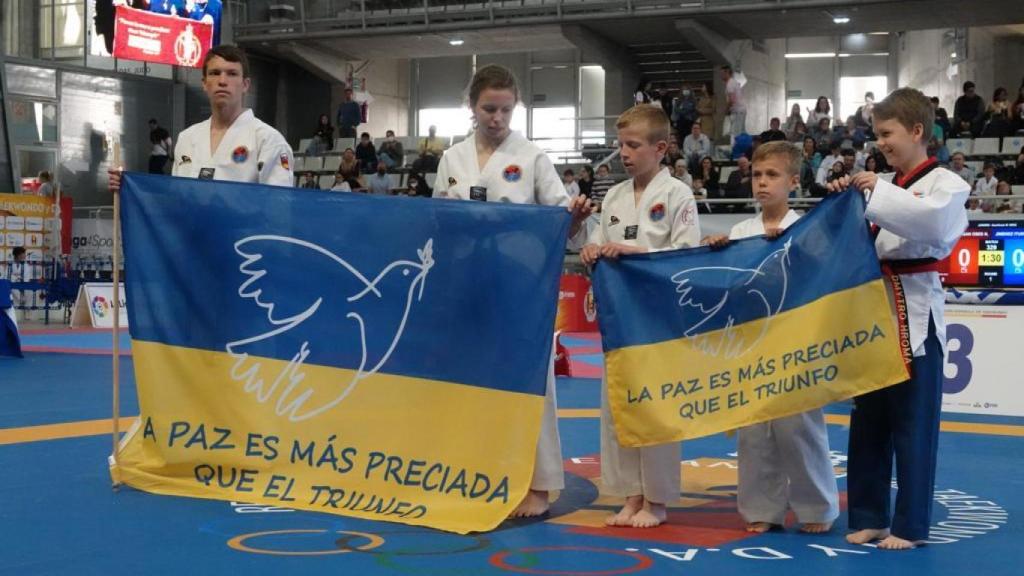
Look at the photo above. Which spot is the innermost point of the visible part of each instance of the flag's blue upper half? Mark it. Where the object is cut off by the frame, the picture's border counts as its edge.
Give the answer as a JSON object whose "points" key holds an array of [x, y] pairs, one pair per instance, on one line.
{"points": [[455, 291], [751, 279]]}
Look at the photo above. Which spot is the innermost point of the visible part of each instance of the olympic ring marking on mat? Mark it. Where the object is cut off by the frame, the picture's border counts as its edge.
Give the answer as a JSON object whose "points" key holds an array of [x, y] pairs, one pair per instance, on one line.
{"points": [[238, 543], [498, 561], [480, 543]]}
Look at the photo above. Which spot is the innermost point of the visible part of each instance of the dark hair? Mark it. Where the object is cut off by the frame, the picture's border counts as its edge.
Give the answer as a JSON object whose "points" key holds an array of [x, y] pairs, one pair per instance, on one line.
{"points": [[848, 152], [492, 77], [364, 135], [1000, 90], [588, 169], [153, 121], [568, 171], [230, 53], [968, 85], [726, 68], [391, 132], [828, 107], [18, 251], [935, 99]]}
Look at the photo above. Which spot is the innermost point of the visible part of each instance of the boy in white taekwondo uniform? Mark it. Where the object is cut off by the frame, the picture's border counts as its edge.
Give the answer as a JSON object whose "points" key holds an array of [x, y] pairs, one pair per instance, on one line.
{"points": [[785, 462], [918, 215], [651, 211], [496, 164], [232, 144]]}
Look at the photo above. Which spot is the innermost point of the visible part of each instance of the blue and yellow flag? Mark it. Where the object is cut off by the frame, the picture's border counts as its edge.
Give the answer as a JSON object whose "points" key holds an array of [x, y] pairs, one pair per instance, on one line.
{"points": [[379, 357], [703, 341]]}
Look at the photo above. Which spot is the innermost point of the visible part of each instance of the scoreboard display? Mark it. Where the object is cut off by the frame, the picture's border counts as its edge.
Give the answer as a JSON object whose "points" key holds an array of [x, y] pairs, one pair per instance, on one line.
{"points": [[989, 254]]}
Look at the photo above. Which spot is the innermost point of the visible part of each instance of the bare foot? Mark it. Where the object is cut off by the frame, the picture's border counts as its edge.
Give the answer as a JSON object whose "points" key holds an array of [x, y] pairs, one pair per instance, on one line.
{"points": [[652, 515], [534, 503], [868, 535], [896, 543], [816, 527], [759, 527], [625, 516]]}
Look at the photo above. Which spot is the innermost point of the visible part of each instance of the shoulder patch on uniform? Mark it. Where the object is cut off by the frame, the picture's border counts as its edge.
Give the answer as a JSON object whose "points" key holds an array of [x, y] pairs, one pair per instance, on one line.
{"points": [[286, 163]]}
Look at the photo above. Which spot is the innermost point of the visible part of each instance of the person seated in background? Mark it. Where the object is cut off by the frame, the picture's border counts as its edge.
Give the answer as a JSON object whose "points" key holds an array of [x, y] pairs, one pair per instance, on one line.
{"points": [[348, 169], [850, 166], [323, 137], [795, 117], [602, 183], [1018, 169], [957, 166], [941, 119], [585, 181], [680, 172], [862, 117], [340, 184], [709, 177], [986, 185], [821, 178], [799, 133], [696, 145], [870, 164], [967, 112], [671, 155], [773, 133], [416, 185], [366, 154], [572, 188], [430, 150], [739, 186], [701, 193], [974, 206], [996, 122], [379, 182], [309, 181], [391, 152], [1002, 206], [822, 134], [938, 150]]}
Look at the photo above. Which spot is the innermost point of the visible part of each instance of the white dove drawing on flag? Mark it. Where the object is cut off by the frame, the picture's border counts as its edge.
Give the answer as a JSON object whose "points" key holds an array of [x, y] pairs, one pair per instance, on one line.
{"points": [[401, 282], [761, 288]]}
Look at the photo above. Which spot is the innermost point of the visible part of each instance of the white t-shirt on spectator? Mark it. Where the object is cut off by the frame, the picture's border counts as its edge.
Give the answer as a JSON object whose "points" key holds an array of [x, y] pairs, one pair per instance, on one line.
{"points": [[734, 91]]}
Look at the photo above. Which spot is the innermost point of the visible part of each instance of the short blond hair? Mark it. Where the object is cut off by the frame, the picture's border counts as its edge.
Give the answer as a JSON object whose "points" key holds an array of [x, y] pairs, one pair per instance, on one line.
{"points": [[653, 117], [793, 156]]}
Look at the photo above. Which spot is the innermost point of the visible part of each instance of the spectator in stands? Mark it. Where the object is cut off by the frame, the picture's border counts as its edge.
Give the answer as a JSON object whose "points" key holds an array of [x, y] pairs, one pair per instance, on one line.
{"points": [[666, 100], [938, 150], [701, 193], [348, 169], [586, 180], [850, 167], [417, 186], [811, 154], [968, 112], [958, 167], [822, 134], [350, 115], [1017, 111], [822, 109], [642, 94], [739, 186], [45, 184], [821, 178], [997, 115], [709, 175], [160, 139], [706, 109], [684, 112], [569, 180], [794, 117], [837, 171], [366, 154], [1018, 170], [602, 183], [941, 119], [735, 105], [852, 132], [809, 166], [340, 184], [974, 206], [430, 150], [391, 152], [324, 135], [696, 145], [1003, 189], [986, 185], [870, 164], [309, 181], [862, 117], [380, 182], [681, 173], [672, 154], [773, 133], [799, 133]]}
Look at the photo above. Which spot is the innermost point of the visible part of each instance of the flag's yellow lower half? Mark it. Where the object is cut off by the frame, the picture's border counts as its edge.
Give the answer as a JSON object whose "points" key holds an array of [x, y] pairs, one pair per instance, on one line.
{"points": [[839, 346], [396, 448]]}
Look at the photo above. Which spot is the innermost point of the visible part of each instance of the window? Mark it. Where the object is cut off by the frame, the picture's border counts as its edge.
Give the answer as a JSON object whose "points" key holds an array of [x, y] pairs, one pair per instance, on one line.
{"points": [[459, 121], [62, 28], [554, 131], [853, 88]]}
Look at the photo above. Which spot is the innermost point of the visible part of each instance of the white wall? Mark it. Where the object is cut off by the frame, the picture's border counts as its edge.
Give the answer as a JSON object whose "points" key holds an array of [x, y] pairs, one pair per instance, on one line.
{"points": [[388, 82], [924, 58], [765, 91]]}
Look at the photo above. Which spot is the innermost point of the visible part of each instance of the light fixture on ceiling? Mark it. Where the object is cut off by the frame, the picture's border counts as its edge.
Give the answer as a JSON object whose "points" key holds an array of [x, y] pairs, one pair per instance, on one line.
{"points": [[841, 19], [953, 55], [456, 41]]}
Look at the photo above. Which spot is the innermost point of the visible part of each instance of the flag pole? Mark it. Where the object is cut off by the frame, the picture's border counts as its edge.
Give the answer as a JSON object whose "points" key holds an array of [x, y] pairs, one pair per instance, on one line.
{"points": [[116, 277]]}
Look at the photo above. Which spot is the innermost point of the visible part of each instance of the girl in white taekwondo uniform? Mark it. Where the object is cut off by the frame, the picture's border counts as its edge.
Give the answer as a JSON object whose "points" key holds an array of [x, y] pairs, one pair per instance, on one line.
{"points": [[649, 212], [495, 164], [232, 144], [784, 463]]}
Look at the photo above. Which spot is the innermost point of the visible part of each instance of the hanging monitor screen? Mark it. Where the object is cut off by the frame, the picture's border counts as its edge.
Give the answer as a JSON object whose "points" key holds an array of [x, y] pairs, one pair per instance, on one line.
{"points": [[176, 32], [989, 254]]}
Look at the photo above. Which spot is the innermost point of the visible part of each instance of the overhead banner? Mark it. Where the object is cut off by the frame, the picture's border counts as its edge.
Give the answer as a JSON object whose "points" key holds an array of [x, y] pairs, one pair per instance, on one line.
{"points": [[378, 357], [703, 341], [162, 38]]}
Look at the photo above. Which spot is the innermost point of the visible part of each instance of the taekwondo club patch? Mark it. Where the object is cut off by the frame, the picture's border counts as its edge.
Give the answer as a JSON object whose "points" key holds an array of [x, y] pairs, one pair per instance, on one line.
{"points": [[657, 212], [240, 155], [512, 173], [285, 162]]}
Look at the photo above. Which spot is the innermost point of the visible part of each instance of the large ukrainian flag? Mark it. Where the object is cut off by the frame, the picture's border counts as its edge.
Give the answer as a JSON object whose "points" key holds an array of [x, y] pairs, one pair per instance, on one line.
{"points": [[702, 341], [369, 356]]}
